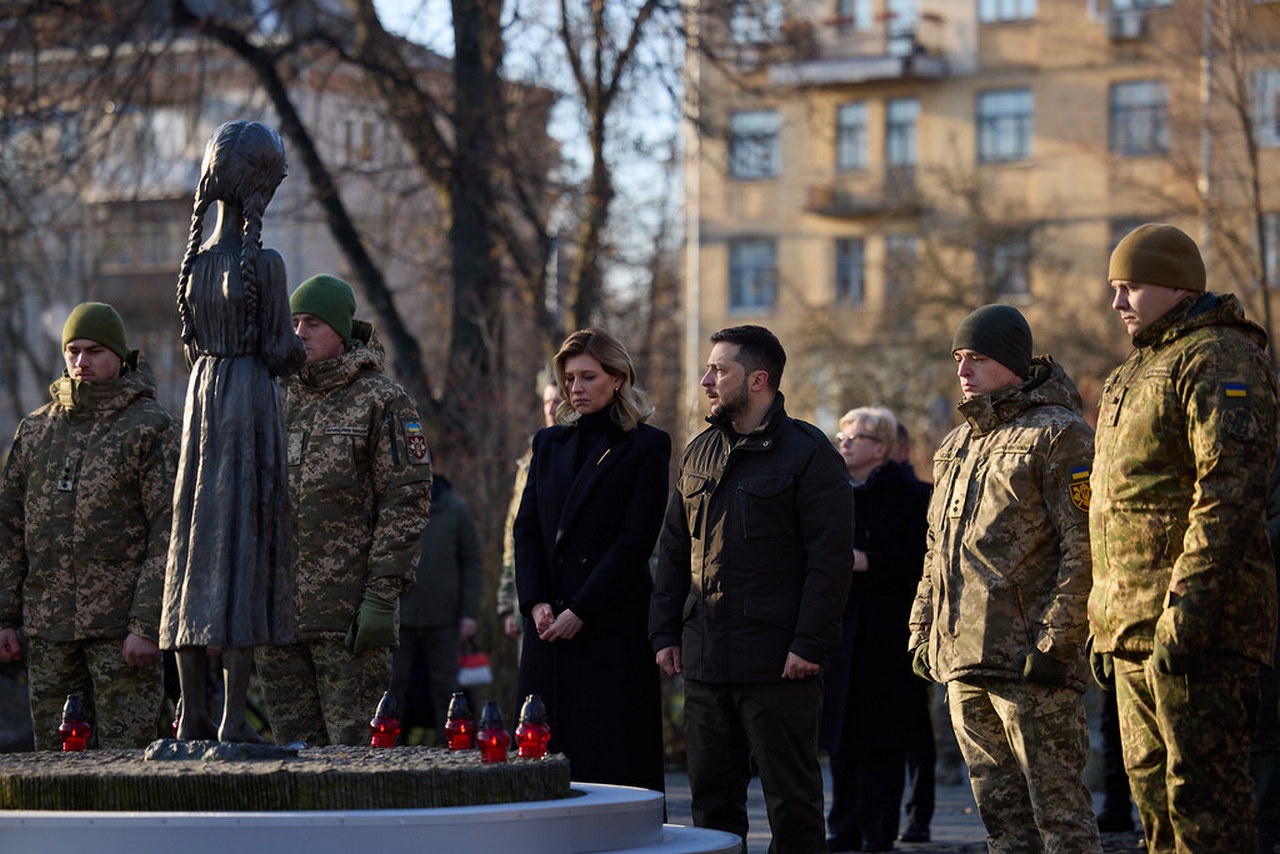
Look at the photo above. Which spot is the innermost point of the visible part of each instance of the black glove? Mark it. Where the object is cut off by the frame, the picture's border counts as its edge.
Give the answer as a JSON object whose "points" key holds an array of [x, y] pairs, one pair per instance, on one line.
{"points": [[374, 624], [1041, 668], [920, 661], [1170, 664]]}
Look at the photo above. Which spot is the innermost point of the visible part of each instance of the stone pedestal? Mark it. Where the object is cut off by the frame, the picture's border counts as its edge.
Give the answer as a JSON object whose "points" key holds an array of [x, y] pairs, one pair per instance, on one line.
{"points": [[323, 778]]}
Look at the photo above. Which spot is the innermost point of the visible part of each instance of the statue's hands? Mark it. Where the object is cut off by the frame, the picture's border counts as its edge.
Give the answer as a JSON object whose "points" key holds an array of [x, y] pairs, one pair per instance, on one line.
{"points": [[373, 625]]}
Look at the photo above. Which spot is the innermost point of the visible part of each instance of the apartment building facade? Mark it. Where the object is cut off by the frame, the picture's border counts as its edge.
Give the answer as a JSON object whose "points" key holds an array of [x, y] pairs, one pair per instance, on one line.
{"points": [[862, 173]]}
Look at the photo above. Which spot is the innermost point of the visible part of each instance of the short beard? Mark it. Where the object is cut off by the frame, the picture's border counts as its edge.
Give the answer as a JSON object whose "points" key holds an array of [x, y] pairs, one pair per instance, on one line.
{"points": [[730, 410]]}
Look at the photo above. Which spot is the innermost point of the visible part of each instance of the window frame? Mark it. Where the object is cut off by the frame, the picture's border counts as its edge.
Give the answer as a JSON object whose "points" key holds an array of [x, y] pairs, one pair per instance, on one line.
{"points": [[1266, 107], [755, 154], [901, 137], [850, 282], [1005, 120], [1006, 11], [753, 281], [1008, 259], [852, 138], [1138, 127]]}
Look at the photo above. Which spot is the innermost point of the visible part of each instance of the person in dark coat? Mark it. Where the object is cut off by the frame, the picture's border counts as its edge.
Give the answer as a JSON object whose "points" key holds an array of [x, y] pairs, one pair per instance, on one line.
{"points": [[871, 696], [752, 574], [588, 520], [437, 614]]}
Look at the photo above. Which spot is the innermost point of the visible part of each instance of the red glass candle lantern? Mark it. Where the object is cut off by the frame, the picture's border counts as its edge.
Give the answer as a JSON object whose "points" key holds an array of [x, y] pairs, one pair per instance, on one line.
{"points": [[384, 728], [459, 726], [533, 733], [74, 729], [492, 738]]}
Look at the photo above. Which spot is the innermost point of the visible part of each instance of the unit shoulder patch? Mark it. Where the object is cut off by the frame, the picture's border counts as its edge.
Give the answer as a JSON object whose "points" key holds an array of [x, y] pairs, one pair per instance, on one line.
{"points": [[416, 443], [1238, 421], [1078, 488]]}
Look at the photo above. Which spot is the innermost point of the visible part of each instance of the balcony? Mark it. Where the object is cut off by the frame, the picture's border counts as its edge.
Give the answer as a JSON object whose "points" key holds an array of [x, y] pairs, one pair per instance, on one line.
{"points": [[887, 51], [860, 197]]}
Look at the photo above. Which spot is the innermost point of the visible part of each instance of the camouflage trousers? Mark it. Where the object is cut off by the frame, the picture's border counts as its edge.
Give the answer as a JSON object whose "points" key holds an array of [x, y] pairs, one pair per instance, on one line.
{"points": [[1186, 750], [122, 702], [1026, 747], [320, 692]]}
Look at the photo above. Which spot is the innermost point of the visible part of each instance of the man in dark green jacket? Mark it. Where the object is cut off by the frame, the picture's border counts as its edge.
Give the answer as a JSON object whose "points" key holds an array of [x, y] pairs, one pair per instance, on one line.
{"points": [[1183, 607], [754, 565]]}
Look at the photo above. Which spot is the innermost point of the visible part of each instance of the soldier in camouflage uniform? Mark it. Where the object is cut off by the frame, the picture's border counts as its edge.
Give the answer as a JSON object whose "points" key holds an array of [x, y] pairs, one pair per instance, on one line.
{"points": [[1183, 607], [999, 615], [360, 480], [85, 509]]}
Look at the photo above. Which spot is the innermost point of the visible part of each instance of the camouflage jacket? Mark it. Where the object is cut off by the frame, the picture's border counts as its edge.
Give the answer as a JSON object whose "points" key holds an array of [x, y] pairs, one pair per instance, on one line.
{"points": [[1007, 566], [507, 599], [85, 511], [1186, 441], [360, 480]]}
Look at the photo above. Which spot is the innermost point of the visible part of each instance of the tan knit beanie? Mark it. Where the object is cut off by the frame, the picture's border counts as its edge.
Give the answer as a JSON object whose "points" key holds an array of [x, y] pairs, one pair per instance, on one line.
{"points": [[1158, 254]]}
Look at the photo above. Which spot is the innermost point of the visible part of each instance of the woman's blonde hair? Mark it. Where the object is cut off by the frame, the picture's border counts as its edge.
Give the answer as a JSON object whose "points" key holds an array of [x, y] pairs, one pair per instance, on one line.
{"points": [[630, 405], [878, 421]]}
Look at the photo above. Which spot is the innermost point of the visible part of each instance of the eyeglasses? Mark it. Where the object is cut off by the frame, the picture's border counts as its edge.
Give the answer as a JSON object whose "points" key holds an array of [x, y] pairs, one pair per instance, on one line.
{"points": [[841, 438]]}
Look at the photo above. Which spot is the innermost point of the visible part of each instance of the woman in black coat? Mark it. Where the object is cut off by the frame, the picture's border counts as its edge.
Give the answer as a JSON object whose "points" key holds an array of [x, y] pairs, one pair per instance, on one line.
{"points": [[871, 695], [587, 524]]}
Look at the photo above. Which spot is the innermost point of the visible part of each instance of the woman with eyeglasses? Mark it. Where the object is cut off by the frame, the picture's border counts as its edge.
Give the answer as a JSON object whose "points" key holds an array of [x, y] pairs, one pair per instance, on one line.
{"points": [[871, 696]]}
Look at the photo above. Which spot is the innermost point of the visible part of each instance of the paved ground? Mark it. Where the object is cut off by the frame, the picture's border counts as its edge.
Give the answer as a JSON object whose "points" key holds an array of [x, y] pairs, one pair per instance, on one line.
{"points": [[956, 828]]}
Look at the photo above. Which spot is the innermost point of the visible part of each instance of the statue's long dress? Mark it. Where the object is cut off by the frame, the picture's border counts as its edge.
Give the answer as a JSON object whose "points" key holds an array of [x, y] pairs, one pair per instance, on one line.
{"points": [[229, 579]]}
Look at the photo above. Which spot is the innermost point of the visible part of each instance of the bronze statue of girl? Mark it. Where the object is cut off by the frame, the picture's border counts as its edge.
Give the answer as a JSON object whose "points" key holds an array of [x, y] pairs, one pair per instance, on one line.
{"points": [[229, 577]]}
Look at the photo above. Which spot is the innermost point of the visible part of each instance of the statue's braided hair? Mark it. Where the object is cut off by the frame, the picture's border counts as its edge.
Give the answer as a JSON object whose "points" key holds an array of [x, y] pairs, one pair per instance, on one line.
{"points": [[244, 162]]}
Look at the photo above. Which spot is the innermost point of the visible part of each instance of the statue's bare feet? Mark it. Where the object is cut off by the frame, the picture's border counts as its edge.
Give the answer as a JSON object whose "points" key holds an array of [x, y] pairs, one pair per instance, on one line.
{"points": [[240, 733], [196, 728]]}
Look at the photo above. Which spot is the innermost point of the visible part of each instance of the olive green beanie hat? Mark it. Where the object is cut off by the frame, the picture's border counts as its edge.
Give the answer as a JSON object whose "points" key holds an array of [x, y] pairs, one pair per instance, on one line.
{"points": [[1158, 254], [99, 322], [328, 298], [998, 332]]}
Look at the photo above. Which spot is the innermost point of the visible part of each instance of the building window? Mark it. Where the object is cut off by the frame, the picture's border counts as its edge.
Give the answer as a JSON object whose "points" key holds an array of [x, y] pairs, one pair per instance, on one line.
{"points": [[1271, 251], [999, 11], [900, 131], [1139, 117], [138, 240], [358, 140], [850, 271], [753, 275], [1266, 107], [903, 18], [1119, 227], [1008, 263], [1004, 125], [853, 15], [754, 146], [899, 264], [851, 137], [753, 22]]}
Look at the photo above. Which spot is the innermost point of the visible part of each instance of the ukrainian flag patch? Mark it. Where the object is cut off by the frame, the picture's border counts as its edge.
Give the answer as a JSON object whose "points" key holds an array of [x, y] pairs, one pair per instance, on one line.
{"points": [[1235, 390]]}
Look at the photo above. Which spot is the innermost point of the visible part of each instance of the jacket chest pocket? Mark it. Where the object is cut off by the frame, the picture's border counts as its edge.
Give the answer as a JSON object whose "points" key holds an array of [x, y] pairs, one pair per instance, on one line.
{"points": [[950, 491], [338, 451], [694, 490], [766, 506]]}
